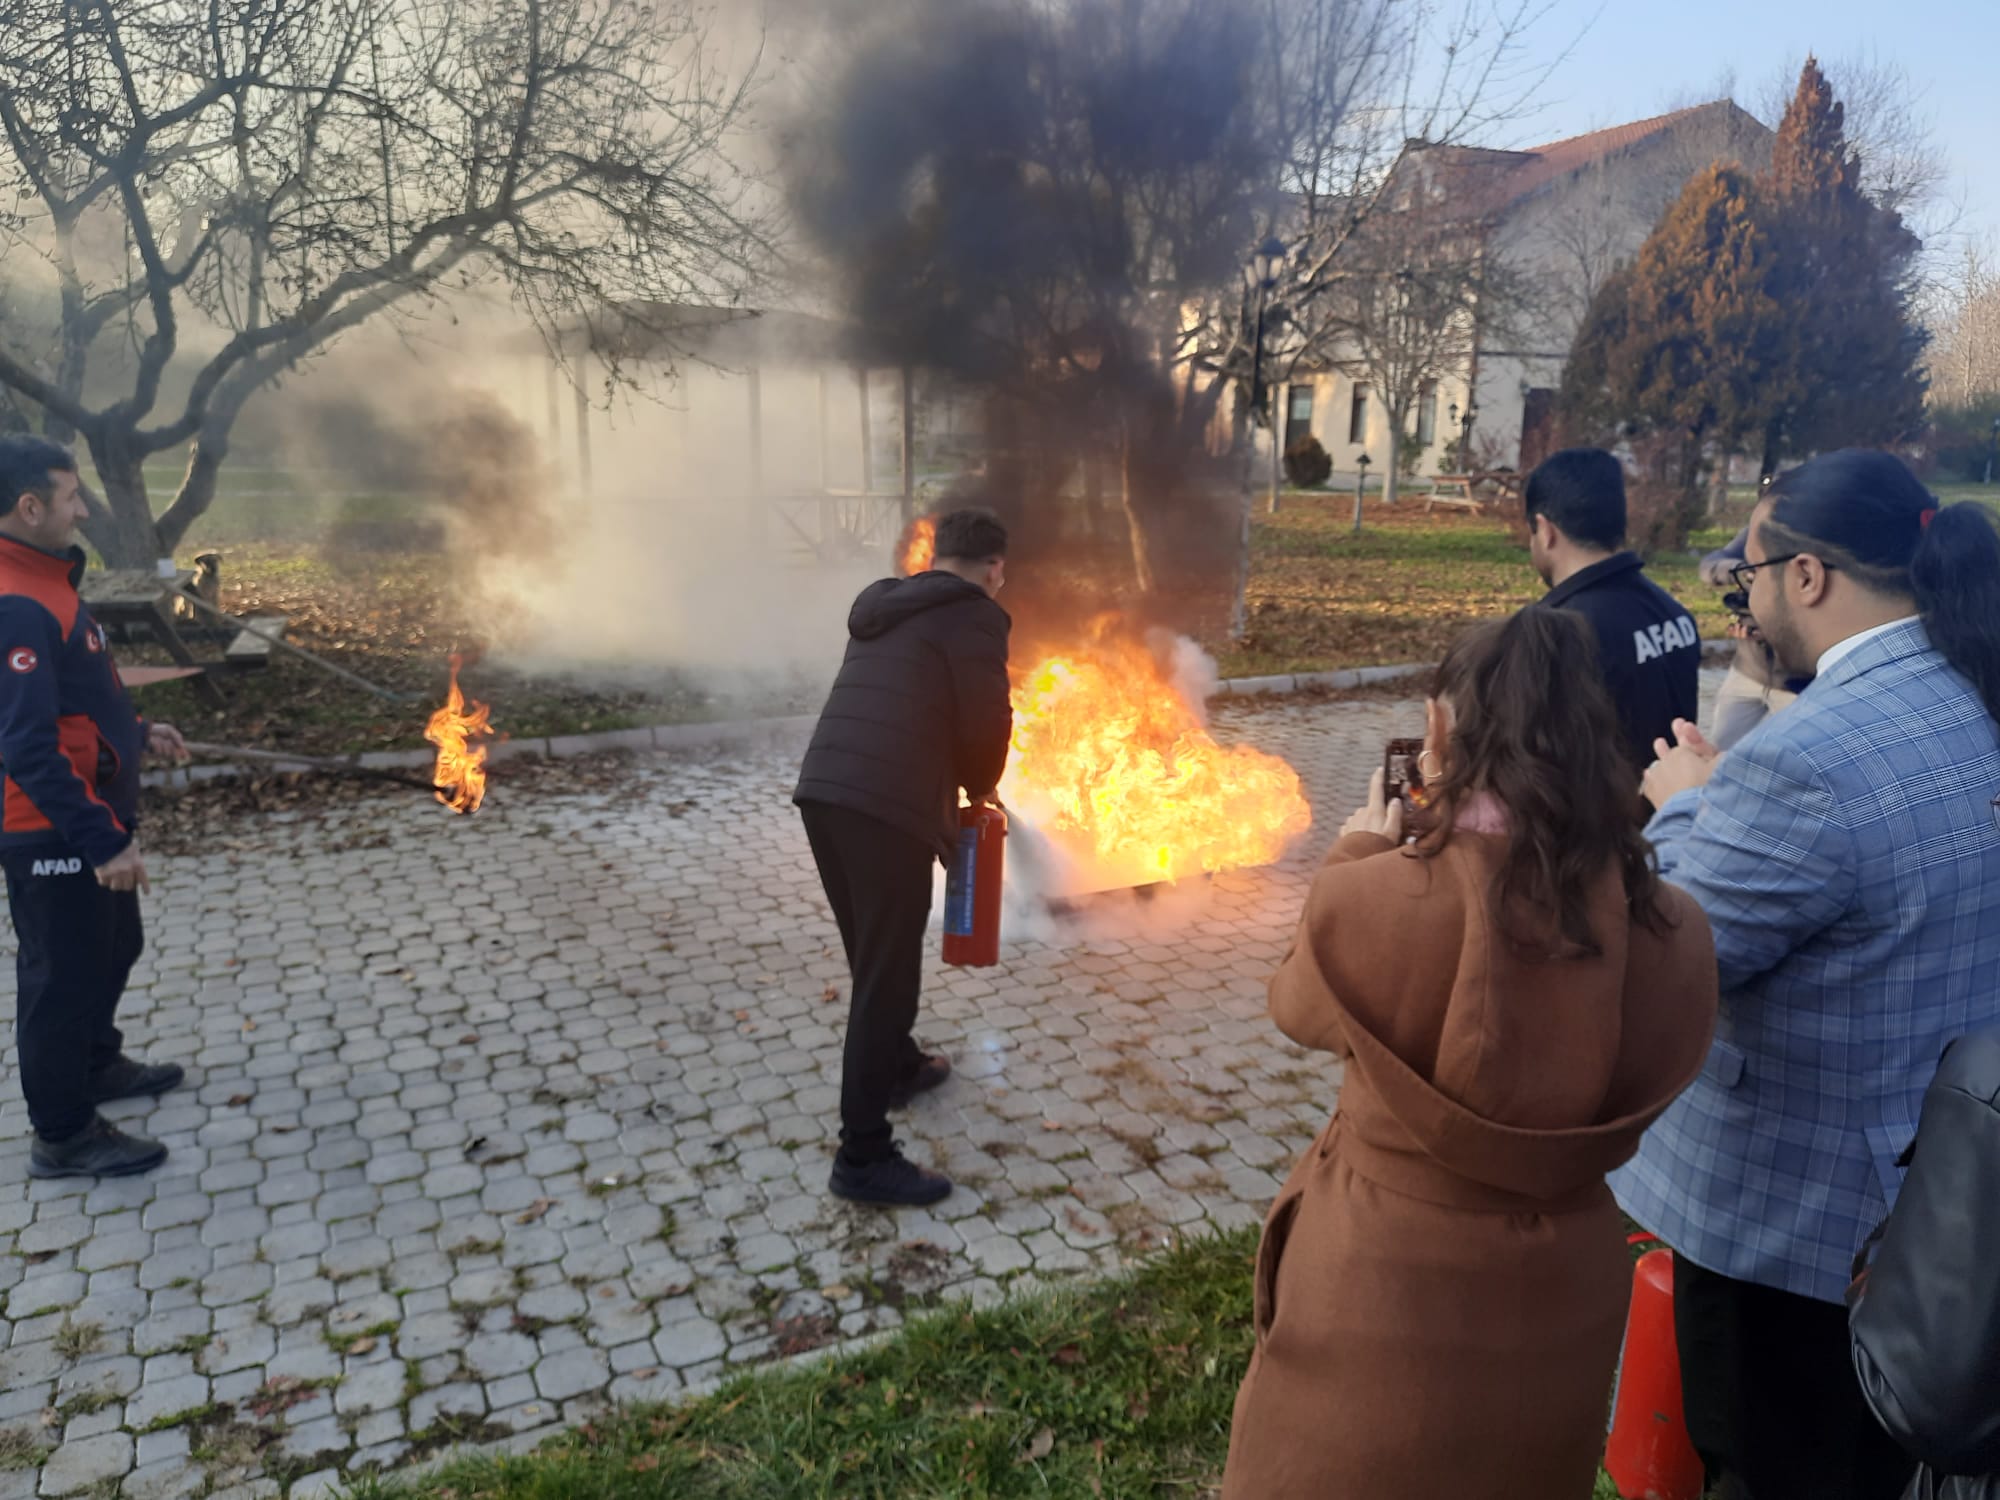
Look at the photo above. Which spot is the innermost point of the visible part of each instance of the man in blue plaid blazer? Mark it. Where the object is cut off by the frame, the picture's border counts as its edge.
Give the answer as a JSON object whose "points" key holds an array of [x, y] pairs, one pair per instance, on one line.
{"points": [[1847, 856]]}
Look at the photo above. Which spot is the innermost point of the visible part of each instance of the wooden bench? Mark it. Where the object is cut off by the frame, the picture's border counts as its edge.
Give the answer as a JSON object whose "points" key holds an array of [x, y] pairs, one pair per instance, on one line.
{"points": [[252, 647]]}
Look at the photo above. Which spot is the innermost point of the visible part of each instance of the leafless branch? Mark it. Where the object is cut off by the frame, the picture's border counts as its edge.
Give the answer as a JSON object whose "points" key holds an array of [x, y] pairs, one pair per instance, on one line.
{"points": [[283, 170]]}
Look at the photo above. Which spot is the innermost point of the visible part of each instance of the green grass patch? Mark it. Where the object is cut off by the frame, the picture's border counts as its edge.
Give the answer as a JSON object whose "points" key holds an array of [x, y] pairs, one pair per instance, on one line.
{"points": [[360, 1340], [74, 1340], [20, 1450], [1121, 1388], [1322, 597], [85, 1403], [191, 1416]]}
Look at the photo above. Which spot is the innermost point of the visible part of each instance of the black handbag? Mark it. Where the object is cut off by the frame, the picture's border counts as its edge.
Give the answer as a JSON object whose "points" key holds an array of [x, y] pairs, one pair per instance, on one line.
{"points": [[1924, 1309]]}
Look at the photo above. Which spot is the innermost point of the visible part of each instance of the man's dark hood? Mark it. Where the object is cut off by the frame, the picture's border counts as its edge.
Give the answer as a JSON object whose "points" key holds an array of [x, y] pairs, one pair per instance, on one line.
{"points": [[883, 606]]}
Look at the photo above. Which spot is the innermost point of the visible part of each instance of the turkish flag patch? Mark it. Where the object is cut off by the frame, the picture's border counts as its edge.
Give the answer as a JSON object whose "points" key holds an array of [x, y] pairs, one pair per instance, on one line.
{"points": [[21, 659]]}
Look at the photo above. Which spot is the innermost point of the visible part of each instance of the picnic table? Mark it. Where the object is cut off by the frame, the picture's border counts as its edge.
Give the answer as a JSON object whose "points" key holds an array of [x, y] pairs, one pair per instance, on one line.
{"points": [[129, 601], [1460, 491]]}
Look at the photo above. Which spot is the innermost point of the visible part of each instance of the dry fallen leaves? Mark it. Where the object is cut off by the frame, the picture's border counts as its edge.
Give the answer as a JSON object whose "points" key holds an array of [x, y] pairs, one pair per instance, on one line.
{"points": [[1041, 1447], [534, 1211]]}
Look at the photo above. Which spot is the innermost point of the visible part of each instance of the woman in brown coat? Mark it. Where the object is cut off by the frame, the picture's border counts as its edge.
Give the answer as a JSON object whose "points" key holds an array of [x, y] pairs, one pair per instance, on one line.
{"points": [[1442, 1282]]}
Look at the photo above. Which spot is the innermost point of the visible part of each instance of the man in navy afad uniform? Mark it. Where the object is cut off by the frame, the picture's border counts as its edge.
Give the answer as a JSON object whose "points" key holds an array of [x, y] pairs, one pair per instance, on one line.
{"points": [[69, 788], [1645, 637]]}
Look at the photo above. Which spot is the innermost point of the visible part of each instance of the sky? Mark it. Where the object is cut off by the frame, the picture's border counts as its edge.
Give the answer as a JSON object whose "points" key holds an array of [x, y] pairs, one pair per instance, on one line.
{"points": [[1632, 58]]}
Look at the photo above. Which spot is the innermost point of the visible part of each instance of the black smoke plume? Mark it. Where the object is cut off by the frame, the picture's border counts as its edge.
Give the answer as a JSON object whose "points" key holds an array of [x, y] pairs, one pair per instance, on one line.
{"points": [[1027, 198]]}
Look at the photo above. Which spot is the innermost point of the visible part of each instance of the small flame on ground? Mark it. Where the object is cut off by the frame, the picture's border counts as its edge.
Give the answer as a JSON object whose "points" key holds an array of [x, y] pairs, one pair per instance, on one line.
{"points": [[1114, 763], [460, 777], [919, 548]]}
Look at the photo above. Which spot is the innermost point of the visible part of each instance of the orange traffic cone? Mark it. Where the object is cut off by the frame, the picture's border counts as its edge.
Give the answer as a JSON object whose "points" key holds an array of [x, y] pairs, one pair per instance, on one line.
{"points": [[1649, 1455]]}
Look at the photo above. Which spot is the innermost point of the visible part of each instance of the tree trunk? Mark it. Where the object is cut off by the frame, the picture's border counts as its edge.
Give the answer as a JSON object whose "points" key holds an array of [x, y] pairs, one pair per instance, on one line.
{"points": [[1104, 509], [124, 535], [1277, 464], [1398, 425], [1718, 491], [1144, 569], [1767, 465], [197, 489]]}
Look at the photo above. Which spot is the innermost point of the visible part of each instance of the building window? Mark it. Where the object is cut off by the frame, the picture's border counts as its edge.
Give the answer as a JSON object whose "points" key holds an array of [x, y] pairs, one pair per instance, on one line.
{"points": [[1299, 414], [1357, 416], [1427, 414]]}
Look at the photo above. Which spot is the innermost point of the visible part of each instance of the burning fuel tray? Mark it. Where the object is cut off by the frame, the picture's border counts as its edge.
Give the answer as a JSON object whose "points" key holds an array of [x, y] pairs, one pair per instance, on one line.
{"points": [[1084, 903]]}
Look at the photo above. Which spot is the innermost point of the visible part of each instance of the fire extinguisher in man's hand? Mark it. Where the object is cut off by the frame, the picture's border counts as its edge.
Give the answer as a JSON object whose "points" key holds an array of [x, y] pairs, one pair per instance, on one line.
{"points": [[972, 886]]}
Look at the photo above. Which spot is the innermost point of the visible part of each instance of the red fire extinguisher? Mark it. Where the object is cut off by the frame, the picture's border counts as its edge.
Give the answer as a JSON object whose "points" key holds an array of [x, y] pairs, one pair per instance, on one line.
{"points": [[972, 888], [1649, 1455]]}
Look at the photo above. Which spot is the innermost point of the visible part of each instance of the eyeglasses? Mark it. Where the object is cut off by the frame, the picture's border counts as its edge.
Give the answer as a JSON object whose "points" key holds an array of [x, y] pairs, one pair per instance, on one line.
{"points": [[1743, 572]]}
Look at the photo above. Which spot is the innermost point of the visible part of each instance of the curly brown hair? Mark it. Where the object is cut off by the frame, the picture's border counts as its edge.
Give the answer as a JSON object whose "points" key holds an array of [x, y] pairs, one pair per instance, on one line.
{"points": [[1533, 725]]}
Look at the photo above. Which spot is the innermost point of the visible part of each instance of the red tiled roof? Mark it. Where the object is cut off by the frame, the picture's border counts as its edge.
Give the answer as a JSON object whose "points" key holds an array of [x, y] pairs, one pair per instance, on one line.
{"points": [[1504, 178], [1559, 157]]}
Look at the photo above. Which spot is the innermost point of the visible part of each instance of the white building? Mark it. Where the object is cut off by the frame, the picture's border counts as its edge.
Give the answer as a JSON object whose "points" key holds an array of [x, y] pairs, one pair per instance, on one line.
{"points": [[1560, 217]]}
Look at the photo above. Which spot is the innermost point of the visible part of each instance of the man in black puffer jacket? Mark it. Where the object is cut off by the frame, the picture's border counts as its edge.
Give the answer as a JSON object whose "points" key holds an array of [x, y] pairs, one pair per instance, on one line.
{"points": [[920, 710]]}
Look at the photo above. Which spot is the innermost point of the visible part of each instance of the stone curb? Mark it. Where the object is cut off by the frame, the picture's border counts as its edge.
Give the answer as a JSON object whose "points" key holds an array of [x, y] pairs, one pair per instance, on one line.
{"points": [[757, 733]]}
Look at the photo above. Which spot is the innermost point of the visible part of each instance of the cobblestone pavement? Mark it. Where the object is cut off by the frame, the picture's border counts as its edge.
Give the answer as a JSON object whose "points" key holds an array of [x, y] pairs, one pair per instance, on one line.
{"points": [[490, 1120]]}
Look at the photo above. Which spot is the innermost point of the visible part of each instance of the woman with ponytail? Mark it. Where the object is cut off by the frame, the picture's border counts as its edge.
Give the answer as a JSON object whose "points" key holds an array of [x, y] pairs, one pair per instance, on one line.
{"points": [[1442, 1282], [1847, 855]]}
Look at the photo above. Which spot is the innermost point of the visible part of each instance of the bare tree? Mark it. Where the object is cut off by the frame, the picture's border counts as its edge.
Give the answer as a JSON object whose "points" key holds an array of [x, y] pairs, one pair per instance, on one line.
{"points": [[1353, 84], [1423, 290], [220, 188], [1964, 358]]}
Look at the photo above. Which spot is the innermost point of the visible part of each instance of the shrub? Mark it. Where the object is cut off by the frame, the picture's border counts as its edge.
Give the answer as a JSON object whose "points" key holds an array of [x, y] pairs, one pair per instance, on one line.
{"points": [[1959, 440], [1307, 463]]}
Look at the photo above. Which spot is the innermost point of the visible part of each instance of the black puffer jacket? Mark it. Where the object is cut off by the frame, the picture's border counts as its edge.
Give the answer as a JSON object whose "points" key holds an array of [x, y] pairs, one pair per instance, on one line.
{"points": [[1925, 1319], [919, 710]]}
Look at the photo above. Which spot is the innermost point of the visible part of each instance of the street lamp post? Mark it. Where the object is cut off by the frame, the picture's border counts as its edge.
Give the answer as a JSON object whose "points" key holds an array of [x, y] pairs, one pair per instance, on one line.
{"points": [[1263, 268], [1992, 447], [1360, 485], [1260, 275]]}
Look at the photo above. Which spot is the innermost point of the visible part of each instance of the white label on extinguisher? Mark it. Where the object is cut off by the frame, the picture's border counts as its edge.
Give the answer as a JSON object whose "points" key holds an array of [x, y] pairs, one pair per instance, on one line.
{"points": [[961, 880]]}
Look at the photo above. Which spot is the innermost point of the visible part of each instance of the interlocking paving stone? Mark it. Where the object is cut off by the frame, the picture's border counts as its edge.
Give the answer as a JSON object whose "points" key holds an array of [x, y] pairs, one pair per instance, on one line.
{"points": [[617, 1074]]}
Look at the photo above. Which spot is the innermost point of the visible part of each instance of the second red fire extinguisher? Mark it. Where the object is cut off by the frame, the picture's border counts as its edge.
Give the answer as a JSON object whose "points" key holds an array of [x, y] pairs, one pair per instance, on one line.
{"points": [[972, 888]]}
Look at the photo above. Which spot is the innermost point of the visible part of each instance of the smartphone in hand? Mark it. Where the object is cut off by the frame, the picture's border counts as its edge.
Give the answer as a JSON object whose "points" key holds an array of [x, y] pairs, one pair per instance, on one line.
{"points": [[1403, 778]]}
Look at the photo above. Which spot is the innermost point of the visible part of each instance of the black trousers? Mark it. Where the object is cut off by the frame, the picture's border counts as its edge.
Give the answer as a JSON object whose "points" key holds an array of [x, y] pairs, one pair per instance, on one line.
{"points": [[78, 943], [878, 881], [1773, 1404]]}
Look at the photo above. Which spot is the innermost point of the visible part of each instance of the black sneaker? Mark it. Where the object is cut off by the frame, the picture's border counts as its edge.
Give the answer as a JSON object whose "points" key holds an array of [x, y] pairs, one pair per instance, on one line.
{"points": [[932, 1071], [894, 1182], [128, 1078], [101, 1150]]}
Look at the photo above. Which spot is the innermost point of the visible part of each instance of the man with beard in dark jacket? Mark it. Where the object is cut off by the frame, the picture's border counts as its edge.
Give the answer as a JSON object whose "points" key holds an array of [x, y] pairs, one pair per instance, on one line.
{"points": [[919, 710]]}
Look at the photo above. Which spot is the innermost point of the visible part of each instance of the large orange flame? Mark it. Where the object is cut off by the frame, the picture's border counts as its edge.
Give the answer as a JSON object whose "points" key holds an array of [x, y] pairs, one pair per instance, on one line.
{"points": [[1112, 760], [460, 777], [919, 547]]}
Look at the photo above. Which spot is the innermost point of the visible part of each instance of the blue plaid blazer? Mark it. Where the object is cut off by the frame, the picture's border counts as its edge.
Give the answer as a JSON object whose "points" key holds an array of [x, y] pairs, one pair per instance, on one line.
{"points": [[1847, 854]]}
